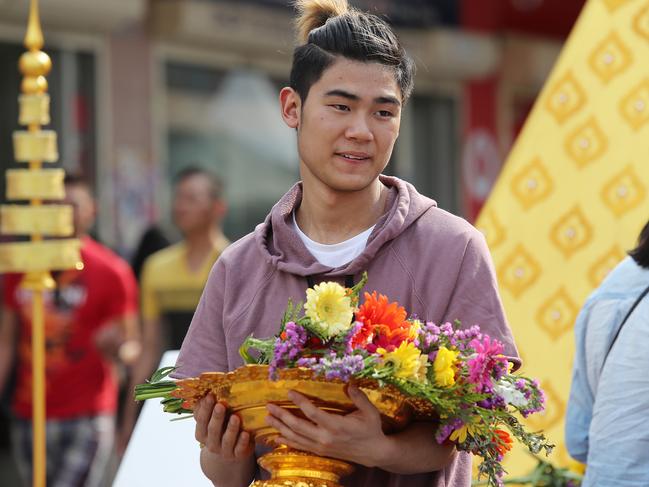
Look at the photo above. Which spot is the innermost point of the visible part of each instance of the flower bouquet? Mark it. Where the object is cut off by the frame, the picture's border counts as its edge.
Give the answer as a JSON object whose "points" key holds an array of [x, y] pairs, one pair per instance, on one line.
{"points": [[409, 369]]}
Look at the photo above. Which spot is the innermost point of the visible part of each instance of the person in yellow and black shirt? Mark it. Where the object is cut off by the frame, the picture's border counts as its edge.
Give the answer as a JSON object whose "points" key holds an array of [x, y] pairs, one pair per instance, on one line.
{"points": [[173, 278]]}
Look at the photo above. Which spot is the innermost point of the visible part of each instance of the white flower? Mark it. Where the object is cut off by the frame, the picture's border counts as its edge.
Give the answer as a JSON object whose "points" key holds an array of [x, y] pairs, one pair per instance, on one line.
{"points": [[510, 394]]}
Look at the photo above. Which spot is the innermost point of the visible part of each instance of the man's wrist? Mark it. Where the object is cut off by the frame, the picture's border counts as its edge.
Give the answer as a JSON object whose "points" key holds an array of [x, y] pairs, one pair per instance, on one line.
{"points": [[384, 452]]}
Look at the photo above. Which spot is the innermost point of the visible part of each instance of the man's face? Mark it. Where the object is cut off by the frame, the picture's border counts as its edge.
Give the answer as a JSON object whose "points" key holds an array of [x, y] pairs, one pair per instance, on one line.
{"points": [[348, 125], [194, 208], [83, 207]]}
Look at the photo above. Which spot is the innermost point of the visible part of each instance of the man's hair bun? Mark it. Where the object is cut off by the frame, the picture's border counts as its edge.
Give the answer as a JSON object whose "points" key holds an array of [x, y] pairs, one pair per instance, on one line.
{"points": [[314, 13]]}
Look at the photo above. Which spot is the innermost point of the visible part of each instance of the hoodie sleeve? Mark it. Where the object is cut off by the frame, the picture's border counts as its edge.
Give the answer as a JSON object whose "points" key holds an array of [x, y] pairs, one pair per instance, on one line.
{"points": [[204, 348], [475, 299]]}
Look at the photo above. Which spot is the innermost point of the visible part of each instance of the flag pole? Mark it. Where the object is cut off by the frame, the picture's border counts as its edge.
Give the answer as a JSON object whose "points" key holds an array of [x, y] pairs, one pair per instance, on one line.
{"points": [[37, 257]]}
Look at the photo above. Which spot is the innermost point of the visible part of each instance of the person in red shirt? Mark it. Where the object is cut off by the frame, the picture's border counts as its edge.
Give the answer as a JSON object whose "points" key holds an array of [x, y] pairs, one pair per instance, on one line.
{"points": [[90, 325]]}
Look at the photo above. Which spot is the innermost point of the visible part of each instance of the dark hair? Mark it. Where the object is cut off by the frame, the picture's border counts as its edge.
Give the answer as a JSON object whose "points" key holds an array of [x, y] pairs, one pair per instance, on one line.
{"points": [[641, 253], [74, 179], [328, 28], [216, 184]]}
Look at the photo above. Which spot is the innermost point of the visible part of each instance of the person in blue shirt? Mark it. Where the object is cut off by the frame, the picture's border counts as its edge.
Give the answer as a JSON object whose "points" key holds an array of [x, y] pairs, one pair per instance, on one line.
{"points": [[607, 420]]}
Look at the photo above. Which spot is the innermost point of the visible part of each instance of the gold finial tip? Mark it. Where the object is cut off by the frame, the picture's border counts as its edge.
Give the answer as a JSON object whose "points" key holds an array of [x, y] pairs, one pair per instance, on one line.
{"points": [[34, 36]]}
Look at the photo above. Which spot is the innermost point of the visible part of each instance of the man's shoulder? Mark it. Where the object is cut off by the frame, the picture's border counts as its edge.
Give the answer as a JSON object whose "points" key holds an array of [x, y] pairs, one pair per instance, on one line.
{"points": [[241, 251], [440, 224], [165, 258]]}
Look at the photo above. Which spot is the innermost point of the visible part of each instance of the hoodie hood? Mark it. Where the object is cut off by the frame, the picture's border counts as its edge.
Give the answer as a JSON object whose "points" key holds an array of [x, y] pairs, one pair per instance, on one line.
{"points": [[283, 249]]}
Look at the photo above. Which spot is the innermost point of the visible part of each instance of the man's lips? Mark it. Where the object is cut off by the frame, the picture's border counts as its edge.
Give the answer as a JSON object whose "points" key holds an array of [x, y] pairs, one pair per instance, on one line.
{"points": [[354, 155]]}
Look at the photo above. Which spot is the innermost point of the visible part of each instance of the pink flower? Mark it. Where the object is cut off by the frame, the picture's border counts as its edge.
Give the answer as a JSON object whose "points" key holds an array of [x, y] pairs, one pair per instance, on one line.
{"points": [[487, 362]]}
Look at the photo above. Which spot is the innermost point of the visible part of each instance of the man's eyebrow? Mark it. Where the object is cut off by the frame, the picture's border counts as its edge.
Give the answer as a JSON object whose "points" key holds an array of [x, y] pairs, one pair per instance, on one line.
{"points": [[391, 100], [388, 99], [343, 94]]}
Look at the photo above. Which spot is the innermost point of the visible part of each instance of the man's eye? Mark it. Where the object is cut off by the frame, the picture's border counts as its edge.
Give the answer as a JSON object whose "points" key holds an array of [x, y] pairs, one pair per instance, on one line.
{"points": [[385, 113], [343, 108]]}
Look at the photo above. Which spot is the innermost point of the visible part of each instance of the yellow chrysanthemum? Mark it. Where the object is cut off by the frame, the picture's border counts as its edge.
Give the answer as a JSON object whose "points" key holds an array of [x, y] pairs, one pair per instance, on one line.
{"points": [[460, 434], [444, 367], [415, 328], [407, 360], [330, 308]]}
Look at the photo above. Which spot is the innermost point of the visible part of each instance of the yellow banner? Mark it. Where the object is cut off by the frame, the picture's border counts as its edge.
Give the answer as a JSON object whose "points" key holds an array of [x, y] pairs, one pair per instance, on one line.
{"points": [[572, 196]]}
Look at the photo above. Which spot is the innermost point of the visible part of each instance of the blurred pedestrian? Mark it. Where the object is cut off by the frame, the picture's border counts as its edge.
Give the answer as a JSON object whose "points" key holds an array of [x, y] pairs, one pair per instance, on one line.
{"points": [[606, 420], [152, 240], [173, 278], [90, 325]]}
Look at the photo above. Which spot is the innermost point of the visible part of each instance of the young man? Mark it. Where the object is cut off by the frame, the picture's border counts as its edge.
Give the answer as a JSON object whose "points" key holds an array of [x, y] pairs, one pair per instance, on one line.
{"points": [[606, 419], [173, 278], [349, 81], [89, 319]]}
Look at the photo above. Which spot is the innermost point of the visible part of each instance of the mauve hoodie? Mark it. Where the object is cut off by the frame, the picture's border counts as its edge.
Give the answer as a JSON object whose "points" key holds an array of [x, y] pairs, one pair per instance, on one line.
{"points": [[433, 263]]}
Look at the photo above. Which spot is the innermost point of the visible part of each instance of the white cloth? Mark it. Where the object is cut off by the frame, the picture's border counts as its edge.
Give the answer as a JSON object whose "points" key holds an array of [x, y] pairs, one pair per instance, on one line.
{"points": [[161, 453], [335, 255]]}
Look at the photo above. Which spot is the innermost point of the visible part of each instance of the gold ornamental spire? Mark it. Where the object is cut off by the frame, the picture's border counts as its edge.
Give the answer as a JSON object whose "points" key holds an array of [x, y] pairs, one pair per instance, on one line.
{"points": [[38, 257]]}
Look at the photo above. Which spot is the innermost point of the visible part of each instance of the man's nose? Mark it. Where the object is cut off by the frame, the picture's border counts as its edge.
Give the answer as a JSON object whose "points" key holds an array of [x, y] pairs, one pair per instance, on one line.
{"points": [[359, 128]]}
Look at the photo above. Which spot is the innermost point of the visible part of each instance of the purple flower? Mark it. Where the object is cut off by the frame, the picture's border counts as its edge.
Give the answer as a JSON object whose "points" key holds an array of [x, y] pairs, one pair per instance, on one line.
{"points": [[349, 337], [445, 430], [333, 367], [287, 347]]}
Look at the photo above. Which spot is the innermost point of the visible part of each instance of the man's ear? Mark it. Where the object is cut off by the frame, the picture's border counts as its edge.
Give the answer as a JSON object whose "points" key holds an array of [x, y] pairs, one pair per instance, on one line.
{"points": [[290, 104]]}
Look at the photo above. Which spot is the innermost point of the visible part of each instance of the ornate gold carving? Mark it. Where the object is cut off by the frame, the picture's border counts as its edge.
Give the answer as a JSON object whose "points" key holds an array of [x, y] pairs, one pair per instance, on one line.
{"points": [[557, 314], [50, 220], [571, 232], [518, 271], [492, 229], [41, 184], [610, 58], [532, 184], [634, 107], [598, 271], [247, 390], [40, 256], [34, 109], [35, 146], [565, 98], [586, 143], [623, 192]]}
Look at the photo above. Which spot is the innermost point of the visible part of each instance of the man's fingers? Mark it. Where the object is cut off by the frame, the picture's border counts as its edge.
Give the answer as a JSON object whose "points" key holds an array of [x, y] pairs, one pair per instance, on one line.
{"points": [[311, 411], [287, 420], [230, 436], [215, 428], [202, 414], [361, 401], [243, 445]]}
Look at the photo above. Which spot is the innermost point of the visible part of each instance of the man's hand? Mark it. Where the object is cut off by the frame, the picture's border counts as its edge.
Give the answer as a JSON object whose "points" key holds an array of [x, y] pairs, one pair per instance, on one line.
{"points": [[357, 437], [224, 439]]}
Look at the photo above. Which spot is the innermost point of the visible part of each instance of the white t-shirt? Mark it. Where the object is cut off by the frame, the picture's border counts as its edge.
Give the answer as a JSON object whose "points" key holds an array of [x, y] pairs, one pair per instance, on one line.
{"points": [[335, 255]]}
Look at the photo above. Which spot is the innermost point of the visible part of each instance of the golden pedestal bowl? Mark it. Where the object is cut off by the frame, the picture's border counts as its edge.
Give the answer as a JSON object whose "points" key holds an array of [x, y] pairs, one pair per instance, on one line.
{"points": [[247, 390]]}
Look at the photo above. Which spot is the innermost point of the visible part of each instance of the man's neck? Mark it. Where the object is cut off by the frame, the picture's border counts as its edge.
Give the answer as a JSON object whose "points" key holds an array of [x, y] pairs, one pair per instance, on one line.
{"points": [[200, 246], [331, 217]]}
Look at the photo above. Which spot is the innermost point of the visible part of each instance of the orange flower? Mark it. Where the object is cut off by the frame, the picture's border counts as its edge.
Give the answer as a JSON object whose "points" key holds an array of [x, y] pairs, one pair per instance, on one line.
{"points": [[503, 441], [384, 324]]}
